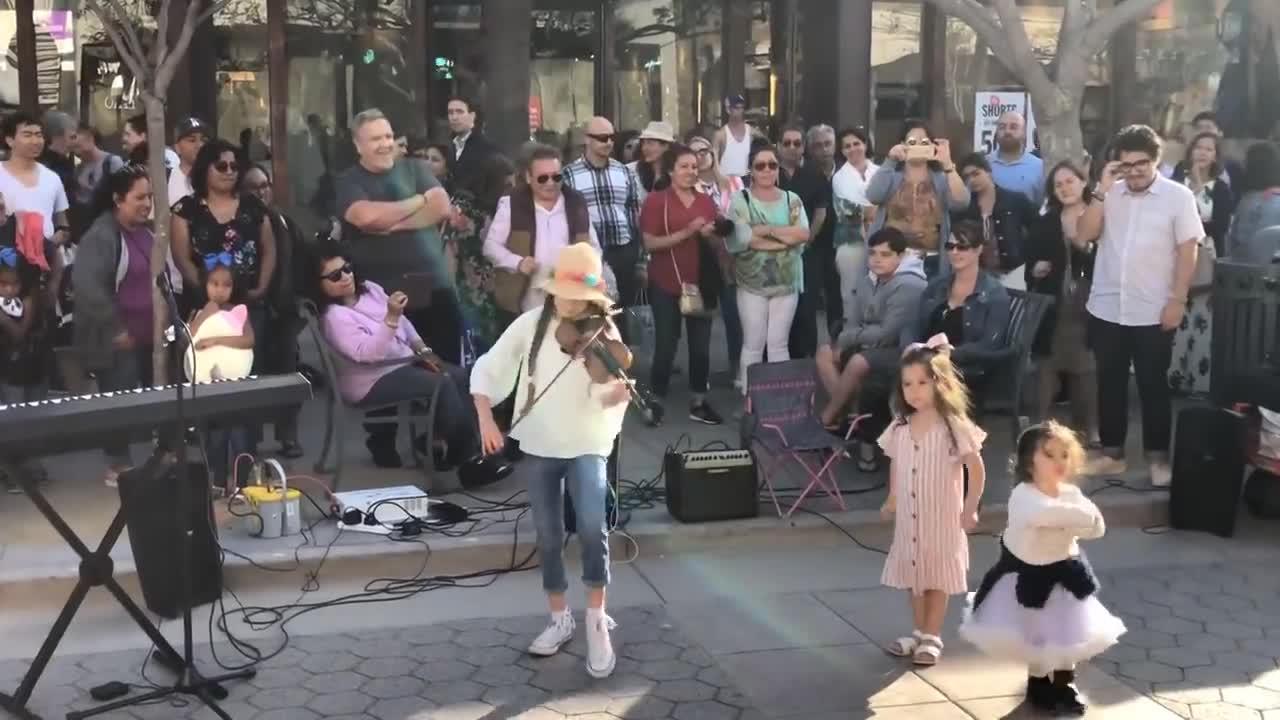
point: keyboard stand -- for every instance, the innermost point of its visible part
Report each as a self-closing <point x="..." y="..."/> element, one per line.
<point x="96" y="570"/>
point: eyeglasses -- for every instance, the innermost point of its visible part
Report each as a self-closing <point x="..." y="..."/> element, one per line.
<point x="338" y="274"/>
<point x="556" y="178"/>
<point x="603" y="137"/>
<point x="762" y="166"/>
<point x="1142" y="165"/>
<point x="258" y="187"/>
<point x="226" y="168"/>
<point x="952" y="246"/>
<point x="792" y="143"/>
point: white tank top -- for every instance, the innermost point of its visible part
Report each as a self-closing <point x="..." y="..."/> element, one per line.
<point x="736" y="153"/>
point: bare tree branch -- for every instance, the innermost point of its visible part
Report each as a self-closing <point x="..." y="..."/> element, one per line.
<point x="1099" y="31"/>
<point x="1029" y="68"/>
<point x="162" y="33"/>
<point x="112" y="26"/>
<point x="983" y="23"/>
<point x="118" y="18"/>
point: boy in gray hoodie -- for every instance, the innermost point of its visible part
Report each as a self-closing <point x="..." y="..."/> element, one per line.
<point x="885" y="300"/>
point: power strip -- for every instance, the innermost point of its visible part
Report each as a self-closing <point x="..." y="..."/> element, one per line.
<point x="390" y="506"/>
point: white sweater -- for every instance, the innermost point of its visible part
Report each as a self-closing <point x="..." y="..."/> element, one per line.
<point x="1044" y="530"/>
<point x="570" y="420"/>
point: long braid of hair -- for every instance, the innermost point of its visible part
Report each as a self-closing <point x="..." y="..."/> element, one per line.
<point x="539" y="334"/>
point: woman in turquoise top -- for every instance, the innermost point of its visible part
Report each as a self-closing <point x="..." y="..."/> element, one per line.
<point x="770" y="231"/>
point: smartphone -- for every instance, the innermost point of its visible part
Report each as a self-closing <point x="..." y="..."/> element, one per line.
<point x="920" y="152"/>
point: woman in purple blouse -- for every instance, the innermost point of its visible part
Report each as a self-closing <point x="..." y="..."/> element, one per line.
<point x="381" y="359"/>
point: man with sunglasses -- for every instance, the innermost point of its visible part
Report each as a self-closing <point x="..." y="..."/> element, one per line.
<point x="1147" y="228"/>
<point x="814" y="190"/>
<point x="530" y="227"/>
<point x="613" y="202"/>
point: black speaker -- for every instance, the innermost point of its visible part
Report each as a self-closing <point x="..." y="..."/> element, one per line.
<point x="710" y="485"/>
<point x="149" y="500"/>
<point x="1208" y="470"/>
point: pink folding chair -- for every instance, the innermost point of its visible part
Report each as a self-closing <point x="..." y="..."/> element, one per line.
<point x="781" y="423"/>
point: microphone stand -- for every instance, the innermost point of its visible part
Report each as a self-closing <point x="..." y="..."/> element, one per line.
<point x="189" y="681"/>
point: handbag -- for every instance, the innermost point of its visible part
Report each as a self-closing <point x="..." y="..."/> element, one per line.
<point x="1207" y="255"/>
<point x="691" y="302"/>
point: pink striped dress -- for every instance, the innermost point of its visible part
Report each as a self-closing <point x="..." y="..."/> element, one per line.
<point x="930" y="550"/>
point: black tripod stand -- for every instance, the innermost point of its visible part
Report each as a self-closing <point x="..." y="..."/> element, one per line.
<point x="189" y="681"/>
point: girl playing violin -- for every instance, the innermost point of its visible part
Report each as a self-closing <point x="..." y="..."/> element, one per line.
<point x="568" y="414"/>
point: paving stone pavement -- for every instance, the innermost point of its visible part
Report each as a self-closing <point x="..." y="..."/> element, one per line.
<point x="1204" y="642"/>
<point x="454" y="671"/>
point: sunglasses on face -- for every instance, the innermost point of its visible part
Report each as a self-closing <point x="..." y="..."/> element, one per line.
<point x="792" y="143"/>
<point x="953" y="246"/>
<point x="602" y="137"/>
<point x="700" y="152"/>
<point x="544" y="179"/>
<point x="338" y="274"/>
<point x="226" y="168"/>
<point x="762" y="166"/>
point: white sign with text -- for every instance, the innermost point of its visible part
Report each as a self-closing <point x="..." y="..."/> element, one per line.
<point x="988" y="106"/>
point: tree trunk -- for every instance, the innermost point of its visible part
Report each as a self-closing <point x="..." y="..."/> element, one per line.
<point x="160" y="244"/>
<point x="507" y="27"/>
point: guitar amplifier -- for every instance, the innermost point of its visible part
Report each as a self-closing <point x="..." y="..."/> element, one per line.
<point x="711" y="485"/>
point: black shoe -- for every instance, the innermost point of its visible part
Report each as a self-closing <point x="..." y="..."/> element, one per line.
<point x="705" y="414"/>
<point x="482" y="470"/>
<point x="383" y="450"/>
<point x="1066" y="695"/>
<point x="1041" y="693"/>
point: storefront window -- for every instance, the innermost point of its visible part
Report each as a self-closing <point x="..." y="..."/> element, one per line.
<point x="896" y="69"/>
<point x="1195" y="55"/>
<point x="669" y="63"/>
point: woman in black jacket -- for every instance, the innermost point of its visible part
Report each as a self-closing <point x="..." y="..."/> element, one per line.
<point x="1061" y="267"/>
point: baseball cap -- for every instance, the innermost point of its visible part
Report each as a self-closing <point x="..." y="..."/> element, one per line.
<point x="190" y="126"/>
<point x="734" y="100"/>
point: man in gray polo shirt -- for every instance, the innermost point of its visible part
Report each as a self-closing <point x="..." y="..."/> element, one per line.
<point x="1147" y="229"/>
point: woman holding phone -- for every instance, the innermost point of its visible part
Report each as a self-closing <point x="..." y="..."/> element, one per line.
<point x="916" y="190"/>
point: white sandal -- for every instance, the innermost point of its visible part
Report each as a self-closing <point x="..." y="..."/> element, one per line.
<point x="905" y="646"/>
<point x="929" y="650"/>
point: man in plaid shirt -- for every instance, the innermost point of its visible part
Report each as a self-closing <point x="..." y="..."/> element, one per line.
<point x="613" y="200"/>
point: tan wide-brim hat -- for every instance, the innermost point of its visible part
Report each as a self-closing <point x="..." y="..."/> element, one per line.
<point x="578" y="274"/>
<point x="659" y="130"/>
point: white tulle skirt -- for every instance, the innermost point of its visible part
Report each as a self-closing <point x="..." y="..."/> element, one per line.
<point x="1066" y="631"/>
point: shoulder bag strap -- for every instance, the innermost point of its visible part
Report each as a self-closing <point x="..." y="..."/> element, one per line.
<point x="666" y="223"/>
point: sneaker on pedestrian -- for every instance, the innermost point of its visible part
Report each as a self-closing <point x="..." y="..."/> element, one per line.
<point x="600" y="657"/>
<point x="705" y="414"/>
<point x="1161" y="474"/>
<point x="558" y="632"/>
<point x="1106" y="466"/>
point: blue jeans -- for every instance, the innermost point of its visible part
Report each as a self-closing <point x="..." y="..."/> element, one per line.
<point x="585" y="478"/>
<point x="732" y="324"/>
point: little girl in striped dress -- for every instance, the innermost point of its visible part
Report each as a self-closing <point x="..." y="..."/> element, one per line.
<point x="930" y="444"/>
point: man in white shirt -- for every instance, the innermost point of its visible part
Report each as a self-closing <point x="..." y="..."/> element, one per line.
<point x="733" y="141"/>
<point x="530" y="227"/>
<point x="28" y="186"/>
<point x="188" y="138"/>
<point x="1147" y="229"/>
<point x="134" y="141"/>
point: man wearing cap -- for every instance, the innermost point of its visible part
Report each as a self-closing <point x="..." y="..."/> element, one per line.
<point x="188" y="138"/>
<point x="733" y="141"/>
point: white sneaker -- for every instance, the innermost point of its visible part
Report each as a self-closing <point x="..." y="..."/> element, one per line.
<point x="1161" y="474"/>
<point x="1106" y="466"/>
<point x="600" y="657"/>
<point x="558" y="632"/>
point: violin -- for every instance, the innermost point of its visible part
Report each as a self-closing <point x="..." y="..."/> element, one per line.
<point x="593" y="338"/>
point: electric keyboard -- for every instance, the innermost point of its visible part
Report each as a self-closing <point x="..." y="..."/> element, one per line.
<point x="58" y="425"/>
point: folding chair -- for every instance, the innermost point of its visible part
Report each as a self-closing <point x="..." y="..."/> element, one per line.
<point x="408" y="412"/>
<point x="781" y="422"/>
